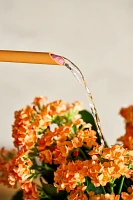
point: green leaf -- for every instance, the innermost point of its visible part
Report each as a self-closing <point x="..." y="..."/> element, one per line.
<point x="127" y="183"/>
<point x="47" y="172"/>
<point x="91" y="187"/>
<point x="74" y="129"/>
<point x="18" y="195"/>
<point x="51" y="191"/>
<point x="88" y="118"/>
<point x="99" y="190"/>
<point x="70" y="115"/>
<point x="57" y="120"/>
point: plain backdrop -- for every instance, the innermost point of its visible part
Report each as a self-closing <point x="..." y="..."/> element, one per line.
<point x="97" y="35"/>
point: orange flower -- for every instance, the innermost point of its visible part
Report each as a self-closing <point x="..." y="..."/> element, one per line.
<point x="61" y="107"/>
<point x="78" y="194"/>
<point x="30" y="191"/>
<point x="88" y="136"/>
<point x="109" y="163"/>
<point x="127" y="113"/>
<point x="5" y="164"/>
<point x="21" y="125"/>
<point x="39" y="101"/>
<point x="95" y="172"/>
<point x="127" y="139"/>
<point x="30" y="120"/>
<point x="46" y="155"/>
<point x="126" y="196"/>
<point x="64" y="140"/>
<point x="130" y="189"/>
<point x="104" y="197"/>
<point x="97" y="150"/>
<point x="22" y="166"/>
<point x="19" y="169"/>
<point x="69" y="176"/>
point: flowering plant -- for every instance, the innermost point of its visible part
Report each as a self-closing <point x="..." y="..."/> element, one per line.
<point x="59" y="155"/>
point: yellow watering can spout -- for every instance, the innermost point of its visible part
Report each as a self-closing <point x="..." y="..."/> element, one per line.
<point x="31" y="57"/>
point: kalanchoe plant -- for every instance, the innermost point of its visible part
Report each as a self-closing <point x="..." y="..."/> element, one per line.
<point x="58" y="155"/>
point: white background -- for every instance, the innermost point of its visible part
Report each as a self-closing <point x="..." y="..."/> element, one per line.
<point x="95" y="34"/>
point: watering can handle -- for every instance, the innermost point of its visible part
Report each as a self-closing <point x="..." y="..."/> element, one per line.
<point x="31" y="57"/>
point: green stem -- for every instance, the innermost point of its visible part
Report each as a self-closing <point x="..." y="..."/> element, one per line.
<point x="121" y="185"/>
<point x="112" y="189"/>
<point x="85" y="146"/>
<point x="82" y="153"/>
<point x="103" y="189"/>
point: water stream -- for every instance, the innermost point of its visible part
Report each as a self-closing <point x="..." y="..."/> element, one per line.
<point x="80" y="77"/>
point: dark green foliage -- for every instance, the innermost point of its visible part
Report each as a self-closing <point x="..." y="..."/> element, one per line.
<point x="91" y="187"/>
<point x="51" y="191"/>
<point x="18" y="195"/>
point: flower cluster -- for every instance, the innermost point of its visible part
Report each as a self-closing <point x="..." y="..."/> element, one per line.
<point x="109" y="164"/>
<point x="57" y="146"/>
<point x="127" y="139"/>
<point x="6" y="158"/>
<point x="105" y="167"/>
<point x="30" y="130"/>
<point x="59" y="155"/>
